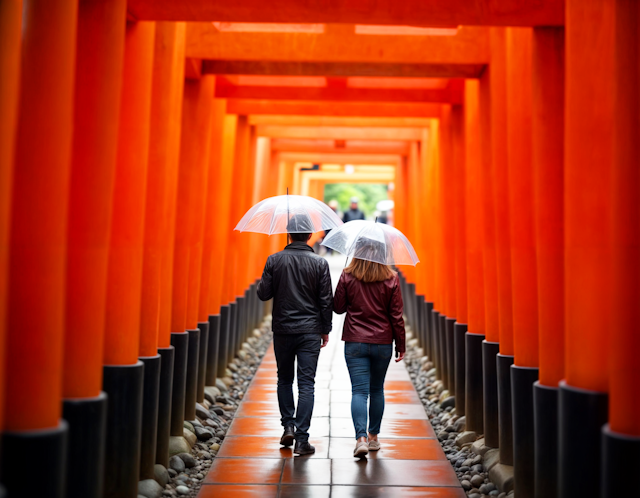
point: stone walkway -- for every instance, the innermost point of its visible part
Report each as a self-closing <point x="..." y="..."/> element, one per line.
<point x="251" y="462"/>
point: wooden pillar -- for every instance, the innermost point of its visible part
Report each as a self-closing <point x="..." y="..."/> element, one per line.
<point x="99" y="64"/>
<point x="622" y="435"/>
<point x="37" y="241"/>
<point x="459" y="211"/>
<point x="429" y="155"/>
<point x="414" y="212"/>
<point x="474" y="404"/>
<point x="10" y="36"/>
<point x="162" y="180"/>
<point x="587" y="208"/>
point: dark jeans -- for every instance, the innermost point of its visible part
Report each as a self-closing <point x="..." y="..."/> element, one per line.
<point x="367" y="364"/>
<point x="306" y="348"/>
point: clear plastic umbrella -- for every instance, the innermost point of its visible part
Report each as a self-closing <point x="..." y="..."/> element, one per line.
<point x="289" y="214"/>
<point x="376" y="242"/>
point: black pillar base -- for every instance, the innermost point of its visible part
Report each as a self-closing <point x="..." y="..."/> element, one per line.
<point x="192" y="375"/>
<point x="202" y="360"/>
<point x="123" y="385"/>
<point x="87" y="419"/>
<point x="212" y="351"/>
<point x="522" y="380"/>
<point x="459" y="345"/>
<point x="619" y="454"/>
<point x="490" y="385"/>
<point x="444" y="353"/>
<point x="180" y="341"/>
<point x="545" y="415"/>
<point x="451" y="354"/>
<point x="223" y="338"/>
<point x="47" y="479"/>
<point x="435" y="327"/>
<point x="505" y="426"/>
<point x="164" y="404"/>
<point x="150" y="399"/>
<point x="233" y="330"/>
<point x="582" y="414"/>
<point x="474" y="395"/>
<point x="420" y="321"/>
<point x="427" y="312"/>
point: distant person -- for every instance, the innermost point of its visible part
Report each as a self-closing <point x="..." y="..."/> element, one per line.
<point x="369" y="293"/>
<point x="333" y="204"/>
<point x="299" y="282"/>
<point x="382" y="217"/>
<point x="353" y="213"/>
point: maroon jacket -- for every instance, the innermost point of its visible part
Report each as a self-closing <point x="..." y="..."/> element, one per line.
<point x="374" y="311"/>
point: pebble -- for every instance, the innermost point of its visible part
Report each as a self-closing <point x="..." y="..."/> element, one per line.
<point x="477" y="481"/>
<point x="188" y="460"/>
<point x="449" y="402"/>
<point x="183" y="490"/>
<point x="149" y="488"/>
<point x="203" y="434"/>
<point x="161" y="474"/>
<point x="177" y="464"/>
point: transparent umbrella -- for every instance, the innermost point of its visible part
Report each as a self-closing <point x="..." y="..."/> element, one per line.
<point x="372" y="241"/>
<point x="289" y="213"/>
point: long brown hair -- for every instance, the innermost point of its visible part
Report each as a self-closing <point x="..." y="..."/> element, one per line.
<point x="369" y="271"/>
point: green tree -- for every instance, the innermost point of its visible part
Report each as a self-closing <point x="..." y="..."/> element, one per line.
<point x="368" y="194"/>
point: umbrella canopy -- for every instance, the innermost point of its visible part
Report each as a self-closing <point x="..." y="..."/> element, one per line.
<point x="376" y="242"/>
<point x="289" y="214"/>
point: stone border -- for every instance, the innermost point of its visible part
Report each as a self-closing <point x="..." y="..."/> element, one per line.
<point x="192" y="454"/>
<point x="473" y="462"/>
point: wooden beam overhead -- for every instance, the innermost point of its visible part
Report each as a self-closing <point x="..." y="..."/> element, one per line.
<point x="428" y="13"/>
<point x="339" y="121"/>
<point x="339" y="133"/>
<point x="337" y="158"/>
<point x="340" y="146"/>
<point x="333" y="108"/>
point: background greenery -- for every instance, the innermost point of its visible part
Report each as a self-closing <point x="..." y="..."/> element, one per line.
<point x="368" y="195"/>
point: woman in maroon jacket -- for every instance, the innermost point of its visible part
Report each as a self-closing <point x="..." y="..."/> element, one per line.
<point x="370" y="295"/>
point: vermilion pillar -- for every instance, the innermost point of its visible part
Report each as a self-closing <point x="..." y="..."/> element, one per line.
<point x="460" y="243"/>
<point x="500" y="172"/>
<point x="37" y="243"/>
<point x="474" y="405"/>
<point x="490" y="84"/>
<point x="587" y="203"/>
<point x="194" y="161"/>
<point x="99" y="63"/>
<point x="10" y="34"/>
<point x="223" y="256"/>
<point x="123" y="373"/>
<point x="621" y="437"/>
<point x="523" y="254"/>
<point x="162" y="179"/>
<point x="548" y="166"/>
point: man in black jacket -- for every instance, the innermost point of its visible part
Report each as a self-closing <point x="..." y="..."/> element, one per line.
<point x="299" y="282"/>
<point x="353" y="213"/>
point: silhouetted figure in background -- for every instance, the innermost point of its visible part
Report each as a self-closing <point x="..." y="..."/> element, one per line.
<point x="353" y="213"/>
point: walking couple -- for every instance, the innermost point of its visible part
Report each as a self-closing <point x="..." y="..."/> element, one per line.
<point x="300" y="284"/>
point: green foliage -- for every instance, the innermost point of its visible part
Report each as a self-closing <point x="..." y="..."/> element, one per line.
<point x="368" y="194"/>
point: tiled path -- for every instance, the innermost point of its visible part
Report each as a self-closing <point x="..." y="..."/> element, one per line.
<point x="251" y="462"/>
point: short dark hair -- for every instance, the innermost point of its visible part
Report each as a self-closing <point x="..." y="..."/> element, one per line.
<point x="299" y="236"/>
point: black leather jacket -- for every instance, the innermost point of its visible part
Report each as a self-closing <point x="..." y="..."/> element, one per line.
<point x="299" y="282"/>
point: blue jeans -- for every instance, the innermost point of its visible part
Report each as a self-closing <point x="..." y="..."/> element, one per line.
<point x="367" y="364"/>
<point x="306" y="348"/>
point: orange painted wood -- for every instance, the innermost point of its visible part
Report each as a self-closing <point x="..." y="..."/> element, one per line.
<point x="201" y="140"/>
<point x="624" y="380"/>
<point x="490" y="269"/>
<point x="413" y="13"/>
<point x="299" y="108"/>
<point x="459" y="203"/>
<point x="524" y="277"/>
<point x="164" y="154"/>
<point x="338" y="121"/>
<point x="10" y="36"/>
<point x="99" y="66"/>
<point x="587" y="189"/>
<point x="447" y="214"/>
<point x="221" y="258"/>
<point x="474" y="209"/>
<point x="548" y="164"/>
<point x="339" y="51"/>
<point x="339" y="133"/>
<point x="194" y="139"/>
<point x="429" y="150"/>
<point x="499" y="171"/>
<point x="415" y="213"/>
<point x="124" y="283"/>
<point x="215" y="196"/>
<point x="39" y="211"/>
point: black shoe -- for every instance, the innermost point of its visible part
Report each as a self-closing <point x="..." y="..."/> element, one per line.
<point x="287" y="436"/>
<point x="304" y="448"/>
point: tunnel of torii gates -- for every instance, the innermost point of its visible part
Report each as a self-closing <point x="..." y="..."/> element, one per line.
<point x="135" y="134"/>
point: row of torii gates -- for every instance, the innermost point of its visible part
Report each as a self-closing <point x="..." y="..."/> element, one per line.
<point x="134" y="135"/>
